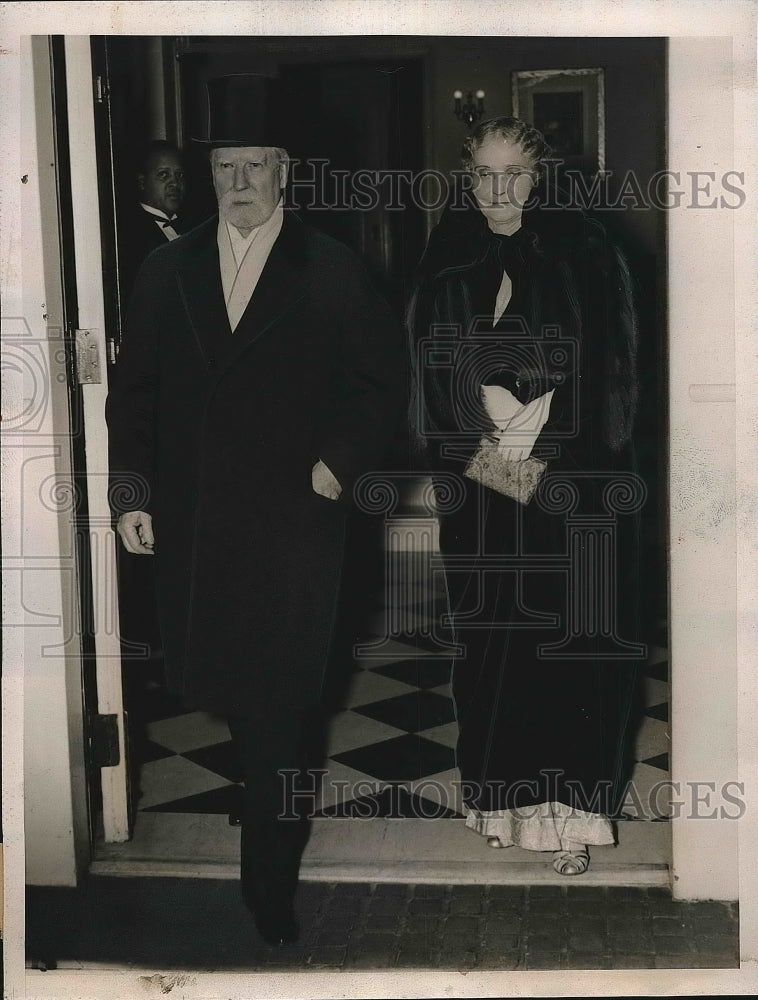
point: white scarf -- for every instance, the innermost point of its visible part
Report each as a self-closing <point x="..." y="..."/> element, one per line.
<point x="239" y="281"/>
<point x="518" y="426"/>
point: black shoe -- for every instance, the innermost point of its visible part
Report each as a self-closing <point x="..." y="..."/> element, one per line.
<point x="237" y="806"/>
<point x="277" y="927"/>
<point x="272" y="910"/>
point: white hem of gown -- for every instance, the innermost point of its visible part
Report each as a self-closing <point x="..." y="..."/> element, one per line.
<point x="548" y="826"/>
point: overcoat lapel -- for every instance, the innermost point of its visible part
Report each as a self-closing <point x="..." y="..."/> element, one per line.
<point x="278" y="290"/>
<point x="199" y="278"/>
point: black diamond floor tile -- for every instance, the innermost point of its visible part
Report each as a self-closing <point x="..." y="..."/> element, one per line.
<point x="420" y="673"/>
<point x="219" y="758"/>
<point x="661" y="761"/>
<point x="217" y="801"/>
<point x="403" y="758"/>
<point x="660" y="712"/>
<point x="411" y="712"/>
<point x="392" y="802"/>
<point x="658" y="671"/>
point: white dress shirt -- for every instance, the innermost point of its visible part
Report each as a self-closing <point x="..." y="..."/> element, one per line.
<point x="160" y="217"/>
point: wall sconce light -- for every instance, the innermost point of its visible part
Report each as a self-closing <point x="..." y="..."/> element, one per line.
<point x="468" y="112"/>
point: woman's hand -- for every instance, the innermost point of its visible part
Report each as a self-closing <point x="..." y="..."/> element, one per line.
<point x="501" y="405"/>
<point x="517" y="438"/>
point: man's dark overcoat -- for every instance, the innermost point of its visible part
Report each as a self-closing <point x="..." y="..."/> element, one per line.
<point x="215" y="434"/>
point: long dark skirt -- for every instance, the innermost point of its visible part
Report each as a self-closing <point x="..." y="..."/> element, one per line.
<point x="543" y="715"/>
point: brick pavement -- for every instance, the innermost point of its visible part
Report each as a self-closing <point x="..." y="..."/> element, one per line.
<point x="361" y="926"/>
<point x="178" y="923"/>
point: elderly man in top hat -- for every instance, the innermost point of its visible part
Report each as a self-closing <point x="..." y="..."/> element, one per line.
<point x="259" y="378"/>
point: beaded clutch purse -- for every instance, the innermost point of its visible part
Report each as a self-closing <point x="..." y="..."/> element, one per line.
<point x="517" y="480"/>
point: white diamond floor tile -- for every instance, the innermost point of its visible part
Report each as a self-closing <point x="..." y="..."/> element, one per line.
<point x="188" y="732"/>
<point x="443" y="689"/>
<point x="367" y="687"/>
<point x="446" y="734"/>
<point x="651" y="739"/>
<point x="648" y="794"/>
<point x="349" y="730"/>
<point x="175" y="778"/>
<point x="657" y="654"/>
<point x="443" y="789"/>
<point x="342" y="784"/>
<point x="656" y="692"/>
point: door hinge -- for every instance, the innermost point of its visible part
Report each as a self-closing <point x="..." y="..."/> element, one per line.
<point x="103" y="737"/>
<point x="87" y="358"/>
<point x="101" y="90"/>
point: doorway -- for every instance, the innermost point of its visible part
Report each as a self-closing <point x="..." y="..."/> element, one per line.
<point x="392" y="737"/>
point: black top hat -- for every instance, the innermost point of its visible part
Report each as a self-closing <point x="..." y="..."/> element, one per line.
<point x="238" y="111"/>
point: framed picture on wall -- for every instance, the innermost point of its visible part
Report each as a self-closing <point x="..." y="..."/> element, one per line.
<point x="568" y="107"/>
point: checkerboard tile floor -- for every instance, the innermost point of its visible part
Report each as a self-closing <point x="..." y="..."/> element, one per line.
<point x="390" y="748"/>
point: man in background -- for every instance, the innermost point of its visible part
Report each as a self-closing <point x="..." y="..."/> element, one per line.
<point x="155" y="218"/>
<point x="151" y="220"/>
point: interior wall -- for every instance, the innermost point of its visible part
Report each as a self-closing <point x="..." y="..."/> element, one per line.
<point x="634" y="128"/>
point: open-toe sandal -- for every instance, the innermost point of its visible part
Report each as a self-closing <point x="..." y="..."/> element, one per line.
<point x="574" y="862"/>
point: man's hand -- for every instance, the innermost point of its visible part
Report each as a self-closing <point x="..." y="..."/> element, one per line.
<point x="324" y="483"/>
<point x="136" y="530"/>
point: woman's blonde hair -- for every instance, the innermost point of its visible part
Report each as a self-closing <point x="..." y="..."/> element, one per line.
<point x="530" y="139"/>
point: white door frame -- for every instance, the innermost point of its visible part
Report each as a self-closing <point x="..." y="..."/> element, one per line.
<point x="89" y="282"/>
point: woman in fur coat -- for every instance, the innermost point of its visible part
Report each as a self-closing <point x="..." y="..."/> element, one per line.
<point x="523" y="340"/>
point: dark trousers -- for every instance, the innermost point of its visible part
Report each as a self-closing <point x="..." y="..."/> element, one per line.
<point x="277" y="802"/>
